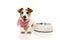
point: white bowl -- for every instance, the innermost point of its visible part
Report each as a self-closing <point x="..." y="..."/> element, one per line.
<point x="43" y="27"/>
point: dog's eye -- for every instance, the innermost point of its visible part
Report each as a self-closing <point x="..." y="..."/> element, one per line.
<point x="27" y="12"/>
<point x="21" y="12"/>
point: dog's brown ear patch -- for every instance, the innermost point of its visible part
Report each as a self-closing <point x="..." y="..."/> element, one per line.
<point x="29" y="10"/>
<point x="20" y="10"/>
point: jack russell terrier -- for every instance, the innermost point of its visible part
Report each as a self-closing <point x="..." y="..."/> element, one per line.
<point x="24" y="21"/>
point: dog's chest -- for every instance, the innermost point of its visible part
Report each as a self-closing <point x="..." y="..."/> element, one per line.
<point x="23" y="24"/>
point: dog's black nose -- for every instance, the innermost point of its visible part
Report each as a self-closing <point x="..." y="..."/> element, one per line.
<point x="24" y="16"/>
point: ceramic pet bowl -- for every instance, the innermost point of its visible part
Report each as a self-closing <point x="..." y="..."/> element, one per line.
<point x="43" y="27"/>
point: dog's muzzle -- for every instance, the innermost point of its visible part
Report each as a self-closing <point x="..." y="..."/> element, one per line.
<point x="24" y="18"/>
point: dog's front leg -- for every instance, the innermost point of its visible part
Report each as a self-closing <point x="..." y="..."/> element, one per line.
<point x="29" y="29"/>
<point x="22" y="30"/>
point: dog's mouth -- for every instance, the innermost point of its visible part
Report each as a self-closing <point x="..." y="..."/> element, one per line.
<point x="24" y="19"/>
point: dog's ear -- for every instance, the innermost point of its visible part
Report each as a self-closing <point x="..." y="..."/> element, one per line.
<point x="20" y="10"/>
<point x="29" y="10"/>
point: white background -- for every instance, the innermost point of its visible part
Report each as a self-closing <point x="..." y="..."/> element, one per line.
<point x="43" y="11"/>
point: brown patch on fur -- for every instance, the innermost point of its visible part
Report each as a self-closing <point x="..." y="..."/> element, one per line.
<point x="32" y="25"/>
<point x="29" y="14"/>
<point x="20" y="10"/>
<point x="29" y="11"/>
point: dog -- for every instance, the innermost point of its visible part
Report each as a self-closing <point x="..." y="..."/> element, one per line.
<point x="24" y="21"/>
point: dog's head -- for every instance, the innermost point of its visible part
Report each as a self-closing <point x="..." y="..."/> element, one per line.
<point x="25" y="13"/>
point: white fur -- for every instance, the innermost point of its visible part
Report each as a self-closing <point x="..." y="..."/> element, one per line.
<point x="24" y="14"/>
<point x="30" y="22"/>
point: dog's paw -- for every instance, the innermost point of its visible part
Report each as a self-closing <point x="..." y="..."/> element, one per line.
<point x="29" y="32"/>
<point x="22" y="32"/>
